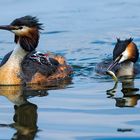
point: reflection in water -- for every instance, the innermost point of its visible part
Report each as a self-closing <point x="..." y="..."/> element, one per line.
<point x="25" y="116"/>
<point x="25" y="119"/>
<point x="130" y="96"/>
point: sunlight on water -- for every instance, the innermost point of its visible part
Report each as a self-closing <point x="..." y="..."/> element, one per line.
<point x="89" y="106"/>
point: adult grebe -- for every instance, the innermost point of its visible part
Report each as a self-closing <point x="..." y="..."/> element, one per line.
<point x="125" y="55"/>
<point x="24" y="65"/>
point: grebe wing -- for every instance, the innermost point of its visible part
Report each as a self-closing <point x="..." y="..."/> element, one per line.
<point x="5" y="58"/>
<point x="101" y="68"/>
<point x="36" y="62"/>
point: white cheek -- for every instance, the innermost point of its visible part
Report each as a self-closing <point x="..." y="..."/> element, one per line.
<point x="17" y="32"/>
<point x="21" y="31"/>
<point x="124" y="56"/>
<point x="24" y="29"/>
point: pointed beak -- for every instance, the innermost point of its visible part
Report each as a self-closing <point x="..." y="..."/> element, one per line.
<point x="8" y="27"/>
<point x="114" y="63"/>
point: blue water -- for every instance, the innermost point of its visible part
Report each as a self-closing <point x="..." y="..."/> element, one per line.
<point x="84" y="31"/>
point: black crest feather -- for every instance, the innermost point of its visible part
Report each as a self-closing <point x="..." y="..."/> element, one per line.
<point x="28" y="21"/>
<point x="120" y="47"/>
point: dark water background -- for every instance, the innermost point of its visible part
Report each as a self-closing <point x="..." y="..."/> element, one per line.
<point x="84" y="31"/>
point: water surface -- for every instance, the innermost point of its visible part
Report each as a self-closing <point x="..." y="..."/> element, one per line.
<point x="84" y="108"/>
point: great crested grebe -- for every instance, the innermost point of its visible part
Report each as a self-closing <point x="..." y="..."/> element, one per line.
<point x="24" y="65"/>
<point x="125" y="55"/>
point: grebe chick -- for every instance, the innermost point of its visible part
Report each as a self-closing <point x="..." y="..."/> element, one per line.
<point x="24" y="65"/>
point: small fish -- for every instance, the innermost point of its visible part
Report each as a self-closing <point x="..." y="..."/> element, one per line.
<point x="112" y="74"/>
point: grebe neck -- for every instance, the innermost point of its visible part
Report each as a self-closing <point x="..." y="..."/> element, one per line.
<point x="126" y="69"/>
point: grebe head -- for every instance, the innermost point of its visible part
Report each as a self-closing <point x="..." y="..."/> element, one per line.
<point x="26" y="30"/>
<point x="124" y="51"/>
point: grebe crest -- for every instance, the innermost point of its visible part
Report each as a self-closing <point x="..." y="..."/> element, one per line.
<point x="26" y="31"/>
<point x="125" y="50"/>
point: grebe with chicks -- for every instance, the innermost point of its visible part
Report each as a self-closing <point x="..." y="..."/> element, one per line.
<point x="24" y="65"/>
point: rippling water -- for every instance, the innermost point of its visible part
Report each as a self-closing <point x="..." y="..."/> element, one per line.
<point x="86" y="107"/>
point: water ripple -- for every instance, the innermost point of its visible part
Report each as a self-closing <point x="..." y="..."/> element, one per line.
<point x="101" y="42"/>
<point x="54" y="32"/>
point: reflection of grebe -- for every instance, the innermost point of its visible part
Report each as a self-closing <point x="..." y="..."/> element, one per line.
<point x="130" y="96"/>
<point x="25" y="117"/>
<point x="25" y="122"/>
<point x="125" y="55"/>
<point x="26" y="66"/>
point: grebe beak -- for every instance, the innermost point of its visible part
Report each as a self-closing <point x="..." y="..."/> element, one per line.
<point x="8" y="27"/>
<point x="114" y="63"/>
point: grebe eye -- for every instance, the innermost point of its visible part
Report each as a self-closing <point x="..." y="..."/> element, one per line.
<point x="20" y="27"/>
